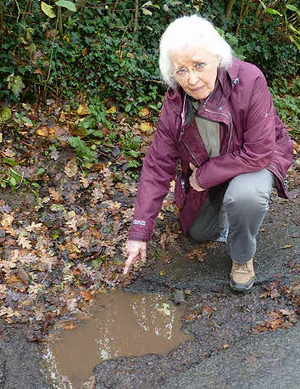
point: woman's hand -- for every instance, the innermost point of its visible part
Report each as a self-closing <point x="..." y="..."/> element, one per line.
<point x="193" y="179"/>
<point x="136" y="251"/>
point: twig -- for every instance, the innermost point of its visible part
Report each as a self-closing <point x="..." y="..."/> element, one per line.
<point x="116" y="4"/>
<point x="19" y="11"/>
<point x="136" y="14"/>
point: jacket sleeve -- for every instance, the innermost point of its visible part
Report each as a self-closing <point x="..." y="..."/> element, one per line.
<point x="258" y="141"/>
<point x="159" y="168"/>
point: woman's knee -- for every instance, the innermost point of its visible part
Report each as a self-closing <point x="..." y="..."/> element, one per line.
<point x="246" y="200"/>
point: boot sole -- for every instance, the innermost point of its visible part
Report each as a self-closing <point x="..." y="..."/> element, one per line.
<point x="242" y="287"/>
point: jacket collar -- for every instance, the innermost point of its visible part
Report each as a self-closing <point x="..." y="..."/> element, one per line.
<point x="229" y="78"/>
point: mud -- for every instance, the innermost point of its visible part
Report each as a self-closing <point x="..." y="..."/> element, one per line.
<point x="19" y="360"/>
<point x="119" y="324"/>
<point x="217" y="318"/>
<point x="221" y="322"/>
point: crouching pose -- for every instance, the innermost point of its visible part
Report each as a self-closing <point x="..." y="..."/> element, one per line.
<point x="219" y="121"/>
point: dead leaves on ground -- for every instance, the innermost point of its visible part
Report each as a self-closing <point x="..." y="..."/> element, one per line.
<point x="60" y="249"/>
<point x="286" y="316"/>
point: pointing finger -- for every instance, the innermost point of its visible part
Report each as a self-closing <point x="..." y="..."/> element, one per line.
<point x="128" y="263"/>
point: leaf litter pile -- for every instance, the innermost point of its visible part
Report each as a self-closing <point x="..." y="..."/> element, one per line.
<point x="68" y="181"/>
<point x="65" y="211"/>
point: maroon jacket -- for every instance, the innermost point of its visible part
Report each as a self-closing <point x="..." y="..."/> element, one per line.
<point x="252" y="137"/>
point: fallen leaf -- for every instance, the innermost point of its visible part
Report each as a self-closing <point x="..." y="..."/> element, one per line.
<point x="13" y="279"/>
<point x="86" y="295"/>
<point x="70" y="246"/>
<point x="34" y="227"/>
<point x="55" y="195"/>
<point x="23" y="275"/>
<point x="7" y="220"/>
<point x="146" y="127"/>
<point x="251" y="358"/>
<point x="70" y="327"/>
<point x="24" y="242"/>
<point x="71" y="168"/>
<point x="111" y="110"/>
<point x="144" y="112"/>
<point x="42" y="131"/>
<point x="82" y="110"/>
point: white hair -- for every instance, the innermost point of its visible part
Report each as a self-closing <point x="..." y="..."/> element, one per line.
<point x="191" y="31"/>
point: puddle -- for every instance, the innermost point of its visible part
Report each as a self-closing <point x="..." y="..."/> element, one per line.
<point x="120" y="324"/>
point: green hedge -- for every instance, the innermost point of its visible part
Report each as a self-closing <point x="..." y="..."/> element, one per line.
<point x="106" y="52"/>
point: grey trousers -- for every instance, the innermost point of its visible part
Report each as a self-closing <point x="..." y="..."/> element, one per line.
<point x="239" y="206"/>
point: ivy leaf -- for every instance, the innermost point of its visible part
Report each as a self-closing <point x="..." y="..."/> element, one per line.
<point x="66" y="4"/>
<point x="146" y="11"/>
<point x="5" y="115"/>
<point x="48" y="10"/>
<point x="15" y="84"/>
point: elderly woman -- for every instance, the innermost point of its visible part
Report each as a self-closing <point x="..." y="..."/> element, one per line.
<point x="219" y="121"/>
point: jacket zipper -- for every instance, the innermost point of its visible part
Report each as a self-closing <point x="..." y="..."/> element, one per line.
<point x="229" y="117"/>
<point x="192" y="155"/>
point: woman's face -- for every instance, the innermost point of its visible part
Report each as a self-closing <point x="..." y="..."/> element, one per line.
<point x="195" y="69"/>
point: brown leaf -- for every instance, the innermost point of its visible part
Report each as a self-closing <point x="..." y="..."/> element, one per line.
<point x="71" y="168"/>
<point x="251" y="358"/>
<point x="207" y="311"/>
<point x="42" y="131"/>
<point x="24" y="242"/>
<point x="144" y="112"/>
<point x="7" y="220"/>
<point x="13" y="279"/>
<point x="23" y="275"/>
<point x="55" y="195"/>
<point x="72" y="248"/>
<point x="70" y="327"/>
<point x="86" y="295"/>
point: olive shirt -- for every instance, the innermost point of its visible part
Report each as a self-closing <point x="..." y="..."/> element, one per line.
<point x="209" y="132"/>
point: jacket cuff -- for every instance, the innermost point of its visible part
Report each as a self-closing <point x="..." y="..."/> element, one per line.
<point x="199" y="181"/>
<point x="138" y="238"/>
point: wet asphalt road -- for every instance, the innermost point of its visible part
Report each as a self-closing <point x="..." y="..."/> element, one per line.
<point x="267" y="360"/>
<point x="226" y="352"/>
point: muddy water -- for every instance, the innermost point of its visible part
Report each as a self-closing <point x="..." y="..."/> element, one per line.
<point x="120" y="324"/>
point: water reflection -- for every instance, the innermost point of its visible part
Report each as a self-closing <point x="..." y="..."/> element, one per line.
<point x="121" y="324"/>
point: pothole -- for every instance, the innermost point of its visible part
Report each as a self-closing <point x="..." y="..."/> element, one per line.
<point x="119" y="324"/>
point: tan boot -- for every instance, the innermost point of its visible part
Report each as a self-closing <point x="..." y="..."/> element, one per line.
<point x="242" y="276"/>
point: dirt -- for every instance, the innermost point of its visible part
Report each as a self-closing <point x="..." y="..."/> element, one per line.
<point x="218" y="319"/>
<point x="19" y="359"/>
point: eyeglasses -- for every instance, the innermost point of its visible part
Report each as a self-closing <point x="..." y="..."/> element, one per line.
<point x="184" y="73"/>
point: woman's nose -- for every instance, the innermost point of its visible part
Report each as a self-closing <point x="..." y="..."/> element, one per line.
<point x="193" y="78"/>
